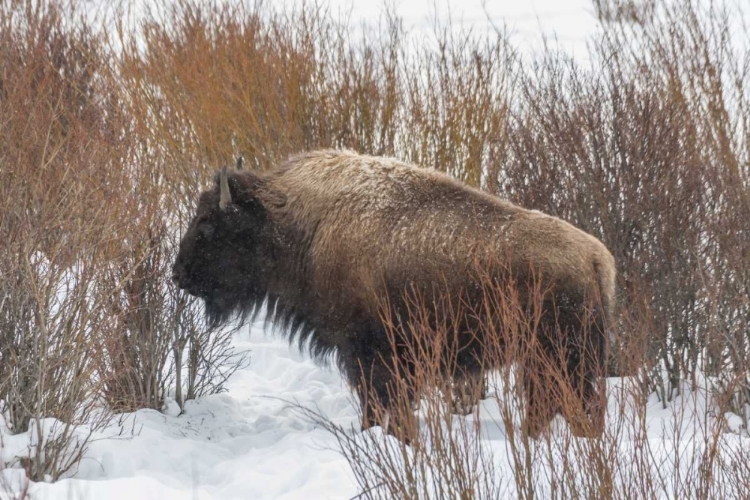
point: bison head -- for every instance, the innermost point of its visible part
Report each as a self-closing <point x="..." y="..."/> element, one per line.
<point x="224" y="253"/>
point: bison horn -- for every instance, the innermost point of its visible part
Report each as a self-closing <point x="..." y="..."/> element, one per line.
<point x="226" y="197"/>
<point x="240" y="161"/>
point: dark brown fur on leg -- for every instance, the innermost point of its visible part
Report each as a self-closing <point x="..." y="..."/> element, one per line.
<point x="541" y="398"/>
<point x="384" y="403"/>
<point x="572" y="354"/>
<point x="586" y="414"/>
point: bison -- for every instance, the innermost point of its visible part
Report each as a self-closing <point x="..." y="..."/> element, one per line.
<point x="327" y="234"/>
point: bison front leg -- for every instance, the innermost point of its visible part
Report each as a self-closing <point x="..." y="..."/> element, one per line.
<point x="386" y="400"/>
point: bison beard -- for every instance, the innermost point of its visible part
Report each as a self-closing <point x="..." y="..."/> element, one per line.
<point x="329" y="237"/>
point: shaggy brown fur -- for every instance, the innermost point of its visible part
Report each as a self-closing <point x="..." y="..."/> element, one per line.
<point x="328" y="232"/>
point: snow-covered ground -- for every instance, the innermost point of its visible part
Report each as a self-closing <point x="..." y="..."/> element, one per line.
<point x="246" y="443"/>
<point x="249" y="443"/>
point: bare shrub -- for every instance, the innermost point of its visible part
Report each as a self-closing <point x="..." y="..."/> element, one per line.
<point x="285" y="81"/>
<point x="640" y="150"/>
<point x="203" y="351"/>
<point x="137" y="339"/>
<point x="11" y="489"/>
<point x="155" y="331"/>
<point x="624" y="11"/>
<point x="84" y="265"/>
<point x="56" y="223"/>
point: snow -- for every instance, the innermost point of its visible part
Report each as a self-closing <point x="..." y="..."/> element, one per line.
<point x="250" y="442"/>
<point x="246" y="443"/>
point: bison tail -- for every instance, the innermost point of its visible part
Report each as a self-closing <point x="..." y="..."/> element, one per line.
<point x="604" y="322"/>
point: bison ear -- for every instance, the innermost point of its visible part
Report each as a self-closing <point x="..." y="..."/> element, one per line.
<point x="225" y="194"/>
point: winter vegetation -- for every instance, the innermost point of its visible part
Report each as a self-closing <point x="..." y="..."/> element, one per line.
<point x="113" y="385"/>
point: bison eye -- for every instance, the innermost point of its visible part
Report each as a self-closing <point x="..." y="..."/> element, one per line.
<point x="206" y="229"/>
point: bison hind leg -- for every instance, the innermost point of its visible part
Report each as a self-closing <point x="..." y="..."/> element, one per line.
<point x="585" y="369"/>
<point x="542" y="402"/>
<point x="587" y="419"/>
